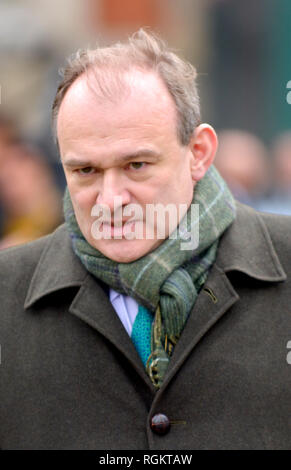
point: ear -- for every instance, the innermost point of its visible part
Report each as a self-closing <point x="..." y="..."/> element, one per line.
<point x="203" y="146"/>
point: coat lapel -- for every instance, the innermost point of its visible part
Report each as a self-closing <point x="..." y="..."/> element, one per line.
<point x="92" y="305"/>
<point x="214" y="300"/>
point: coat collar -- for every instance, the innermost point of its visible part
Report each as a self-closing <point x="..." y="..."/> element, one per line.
<point x="58" y="268"/>
<point x="246" y="247"/>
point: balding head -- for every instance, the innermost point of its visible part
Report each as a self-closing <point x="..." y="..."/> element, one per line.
<point x="106" y="67"/>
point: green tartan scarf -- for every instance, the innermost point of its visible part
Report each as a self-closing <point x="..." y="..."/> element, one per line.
<point x="167" y="280"/>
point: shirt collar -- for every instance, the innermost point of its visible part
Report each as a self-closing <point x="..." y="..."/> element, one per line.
<point x="113" y="295"/>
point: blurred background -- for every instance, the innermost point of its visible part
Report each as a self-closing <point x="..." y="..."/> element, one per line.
<point x="240" y="48"/>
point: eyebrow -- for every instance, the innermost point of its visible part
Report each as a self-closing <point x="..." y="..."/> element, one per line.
<point x="152" y="154"/>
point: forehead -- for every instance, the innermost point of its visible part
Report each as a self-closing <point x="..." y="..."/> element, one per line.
<point x="144" y="103"/>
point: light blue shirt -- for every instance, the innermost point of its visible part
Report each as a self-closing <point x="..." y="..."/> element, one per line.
<point x="126" y="308"/>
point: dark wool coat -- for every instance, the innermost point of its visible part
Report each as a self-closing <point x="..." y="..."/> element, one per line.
<point x="72" y="379"/>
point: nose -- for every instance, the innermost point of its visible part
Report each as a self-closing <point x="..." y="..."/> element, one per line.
<point x="113" y="192"/>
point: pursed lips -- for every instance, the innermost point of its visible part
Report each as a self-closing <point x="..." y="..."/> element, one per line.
<point x="119" y="229"/>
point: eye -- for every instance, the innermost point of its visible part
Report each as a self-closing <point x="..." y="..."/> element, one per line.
<point x="88" y="170"/>
<point x="136" y="165"/>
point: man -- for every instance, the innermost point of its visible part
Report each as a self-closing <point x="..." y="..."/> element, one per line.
<point x="112" y="339"/>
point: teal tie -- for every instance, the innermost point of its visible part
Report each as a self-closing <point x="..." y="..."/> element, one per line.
<point x="141" y="333"/>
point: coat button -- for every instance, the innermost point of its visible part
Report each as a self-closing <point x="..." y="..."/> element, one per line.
<point x="160" y="424"/>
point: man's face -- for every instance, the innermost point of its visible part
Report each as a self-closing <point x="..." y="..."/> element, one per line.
<point x="127" y="149"/>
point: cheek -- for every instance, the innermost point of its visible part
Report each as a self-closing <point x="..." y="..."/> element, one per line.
<point x="180" y="188"/>
<point x="83" y="200"/>
<point x="82" y="208"/>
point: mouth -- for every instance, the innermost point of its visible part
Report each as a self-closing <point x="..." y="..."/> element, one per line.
<point x="119" y="230"/>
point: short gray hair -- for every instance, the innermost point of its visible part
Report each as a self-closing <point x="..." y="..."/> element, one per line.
<point x="146" y="51"/>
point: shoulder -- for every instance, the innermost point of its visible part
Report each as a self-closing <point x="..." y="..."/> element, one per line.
<point x="279" y="229"/>
<point x="19" y="262"/>
<point x="276" y="229"/>
<point x="279" y="226"/>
